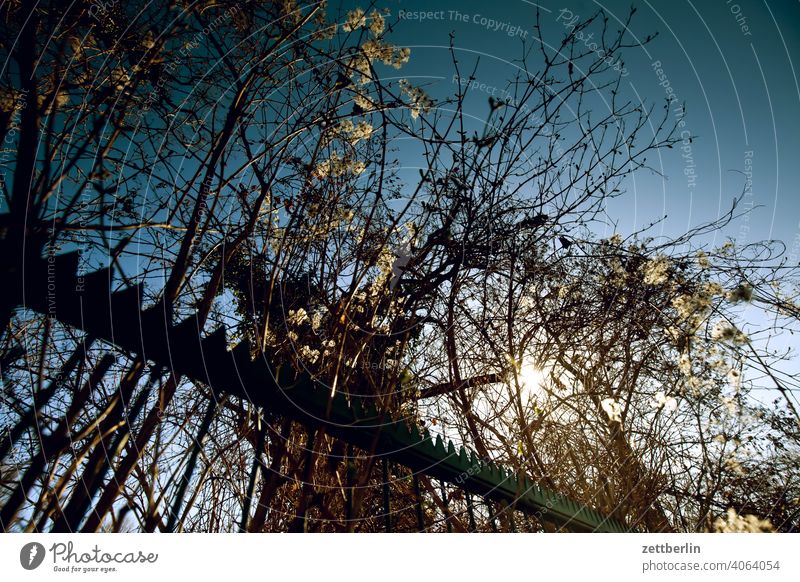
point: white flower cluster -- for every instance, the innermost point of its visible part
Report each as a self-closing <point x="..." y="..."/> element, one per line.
<point x="377" y="24"/>
<point x="693" y="308"/>
<point x="656" y="270"/>
<point x="364" y="102"/>
<point x="702" y="260"/>
<point x="732" y="464"/>
<point x="358" y="19"/>
<point x="732" y="522"/>
<point x="297" y="317"/>
<point x="735" y="377"/>
<point x="338" y="165"/>
<point x="353" y="132"/>
<point x="290" y="10"/>
<point x="724" y="331"/>
<point x="695" y="386"/>
<point x="376" y="50"/>
<point x="362" y="130"/>
<point x="324" y="30"/>
<point x="328" y="345"/>
<point x="743" y="292"/>
<point x="420" y="101"/>
<point x="309" y="354"/>
<point x="618" y="275"/>
<point x="361" y="65"/>
<point x="727" y="249"/>
<point x="119" y="77"/>
<point x="385" y="261"/>
<point x="613" y="409"/>
<point x="685" y="364"/>
<point x="729" y="402"/>
<point x="668" y="403"/>
<point x="355" y="19"/>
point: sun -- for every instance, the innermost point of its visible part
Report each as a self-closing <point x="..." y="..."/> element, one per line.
<point x="531" y="379"/>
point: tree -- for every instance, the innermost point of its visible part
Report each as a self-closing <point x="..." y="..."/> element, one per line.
<point x="242" y="161"/>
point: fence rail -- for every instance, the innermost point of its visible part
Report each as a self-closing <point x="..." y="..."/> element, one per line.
<point x="51" y="286"/>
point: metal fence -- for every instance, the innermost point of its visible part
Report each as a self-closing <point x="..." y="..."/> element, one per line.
<point x="87" y="303"/>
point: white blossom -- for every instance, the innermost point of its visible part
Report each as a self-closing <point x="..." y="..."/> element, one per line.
<point x="656" y="270"/>
<point x="309" y="354"/>
<point x="119" y="77"/>
<point x="297" y="317"/>
<point x="732" y="522"/>
<point x="693" y="308"/>
<point x="355" y="19"/>
<point x="353" y="133"/>
<point x="702" y="260"/>
<point x="668" y="403"/>
<point x="733" y="465"/>
<point x="362" y="130"/>
<point x="617" y="276"/>
<point x="724" y="331"/>
<point x="364" y="102"/>
<point x="338" y="165"/>
<point x="685" y="364"/>
<point x="420" y="101"/>
<point x="727" y="248"/>
<point x="377" y="23"/>
<point x="613" y="409"/>
<point x="729" y="402"/>
<point x="743" y="292"/>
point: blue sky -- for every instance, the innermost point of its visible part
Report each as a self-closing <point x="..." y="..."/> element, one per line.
<point x="732" y="63"/>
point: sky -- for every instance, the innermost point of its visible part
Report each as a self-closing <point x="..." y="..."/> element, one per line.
<point x="731" y="63"/>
